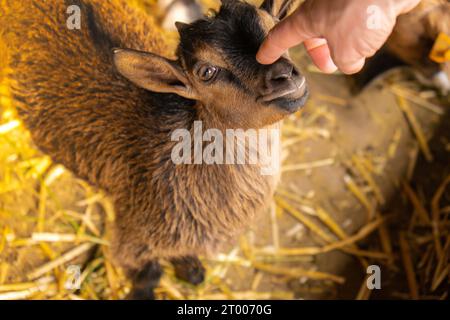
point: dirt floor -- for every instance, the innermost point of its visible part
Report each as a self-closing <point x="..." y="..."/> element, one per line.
<point x="364" y="183"/>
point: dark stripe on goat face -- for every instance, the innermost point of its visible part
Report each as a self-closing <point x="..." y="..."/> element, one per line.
<point x="228" y="77"/>
<point x="240" y="44"/>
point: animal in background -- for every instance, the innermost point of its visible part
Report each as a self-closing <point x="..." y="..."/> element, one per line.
<point x="413" y="38"/>
<point x="179" y="11"/>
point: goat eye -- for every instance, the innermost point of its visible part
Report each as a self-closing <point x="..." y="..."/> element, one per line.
<point x="207" y="72"/>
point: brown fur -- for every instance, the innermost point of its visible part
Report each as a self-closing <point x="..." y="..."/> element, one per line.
<point x="116" y="135"/>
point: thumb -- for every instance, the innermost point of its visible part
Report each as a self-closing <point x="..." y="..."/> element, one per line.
<point x="351" y="67"/>
<point x="288" y="33"/>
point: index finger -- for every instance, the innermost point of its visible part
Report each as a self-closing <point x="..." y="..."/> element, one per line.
<point x="288" y="33"/>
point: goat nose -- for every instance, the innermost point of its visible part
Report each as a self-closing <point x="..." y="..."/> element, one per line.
<point x="279" y="71"/>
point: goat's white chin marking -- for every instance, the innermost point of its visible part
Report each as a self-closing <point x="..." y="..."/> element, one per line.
<point x="277" y="95"/>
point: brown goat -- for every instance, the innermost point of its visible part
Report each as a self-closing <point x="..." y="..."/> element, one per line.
<point x="107" y="115"/>
<point x="414" y="36"/>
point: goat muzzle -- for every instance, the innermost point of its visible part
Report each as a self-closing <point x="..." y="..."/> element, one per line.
<point x="287" y="90"/>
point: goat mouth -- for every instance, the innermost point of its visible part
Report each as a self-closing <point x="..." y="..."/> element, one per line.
<point x="290" y="98"/>
<point x="291" y="105"/>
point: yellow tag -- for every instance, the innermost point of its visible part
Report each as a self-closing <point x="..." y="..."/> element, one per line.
<point x="441" y="49"/>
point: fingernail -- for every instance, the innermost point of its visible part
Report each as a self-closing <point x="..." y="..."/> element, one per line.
<point x="330" y="67"/>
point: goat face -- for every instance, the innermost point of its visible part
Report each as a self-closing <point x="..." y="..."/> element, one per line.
<point x="217" y="67"/>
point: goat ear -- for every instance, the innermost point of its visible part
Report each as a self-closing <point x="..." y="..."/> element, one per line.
<point x="277" y="8"/>
<point x="152" y="72"/>
<point x="181" y="26"/>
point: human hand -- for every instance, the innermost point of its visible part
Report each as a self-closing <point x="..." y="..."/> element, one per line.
<point x="338" y="34"/>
